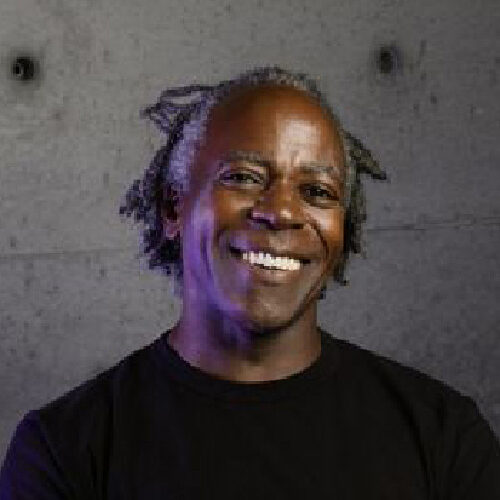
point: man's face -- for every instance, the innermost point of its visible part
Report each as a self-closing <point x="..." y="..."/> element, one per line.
<point x="244" y="204"/>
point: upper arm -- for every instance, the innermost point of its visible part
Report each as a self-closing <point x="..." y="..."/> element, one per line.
<point x="470" y="456"/>
<point x="30" y="469"/>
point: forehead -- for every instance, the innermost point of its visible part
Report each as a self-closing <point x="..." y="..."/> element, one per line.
<point x="264" y="115"/>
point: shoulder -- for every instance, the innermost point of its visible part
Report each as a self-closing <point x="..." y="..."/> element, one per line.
<point x="85" y="413"/>
<point x="458" y="443"/>
<point x="384" y="381"/>
<point x="61" y="443"/>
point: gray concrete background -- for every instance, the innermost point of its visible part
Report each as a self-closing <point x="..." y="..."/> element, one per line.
<point x="74" y="299"/>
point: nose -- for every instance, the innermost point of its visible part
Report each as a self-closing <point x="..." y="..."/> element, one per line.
<point x="277" y="207"/>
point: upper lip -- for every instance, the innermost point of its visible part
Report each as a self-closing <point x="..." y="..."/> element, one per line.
<point x="275" y="251"/>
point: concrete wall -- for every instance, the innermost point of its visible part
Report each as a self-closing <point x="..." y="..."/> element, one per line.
<point x="73" y="298"/>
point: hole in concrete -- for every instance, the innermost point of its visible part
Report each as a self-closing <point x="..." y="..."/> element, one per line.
<point x="388" y="59"/>
<point x="23" y="68"/>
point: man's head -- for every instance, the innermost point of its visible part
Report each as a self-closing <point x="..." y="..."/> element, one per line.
<point x="255" y="111"/>
<point x="269" y="175"/>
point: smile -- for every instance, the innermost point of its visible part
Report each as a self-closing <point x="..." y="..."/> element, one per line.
<point x="266" y="267"/>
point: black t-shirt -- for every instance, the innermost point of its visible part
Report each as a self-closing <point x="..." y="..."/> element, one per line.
<point x="353" y="425"/>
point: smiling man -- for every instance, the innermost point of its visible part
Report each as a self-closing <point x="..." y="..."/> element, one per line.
<point x="262" y="228"/>
<point x="254" y="203"/>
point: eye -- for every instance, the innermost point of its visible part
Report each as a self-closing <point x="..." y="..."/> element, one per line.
<point x="239" y="175"/>
<point x="324" y="192"/>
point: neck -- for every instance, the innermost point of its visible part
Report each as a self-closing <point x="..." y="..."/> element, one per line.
<point x="228" y="350"/>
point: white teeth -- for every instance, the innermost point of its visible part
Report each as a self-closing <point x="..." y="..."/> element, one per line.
<point x="267" y="260"/>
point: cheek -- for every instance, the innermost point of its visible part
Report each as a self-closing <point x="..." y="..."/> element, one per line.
<point x="222" y="210"/>
<point x="333" y="224"/>
<point x="199" y="224"/>
<point x="227" y="204"/>
<point x="333" y="231"/>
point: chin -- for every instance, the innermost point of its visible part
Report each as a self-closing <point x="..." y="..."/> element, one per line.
<point x="262" y="319"/>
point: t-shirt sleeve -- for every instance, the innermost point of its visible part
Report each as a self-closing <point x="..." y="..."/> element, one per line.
<point x="30" y="469"/>
<point x="470" y="456"/>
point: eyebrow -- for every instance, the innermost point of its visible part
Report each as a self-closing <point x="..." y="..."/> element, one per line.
<point x="308" y="167"/>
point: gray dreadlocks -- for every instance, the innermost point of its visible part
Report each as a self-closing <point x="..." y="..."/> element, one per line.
<point x="185" y="125"/>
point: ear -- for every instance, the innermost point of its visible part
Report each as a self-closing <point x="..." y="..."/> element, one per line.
<point x="171" y="209"/>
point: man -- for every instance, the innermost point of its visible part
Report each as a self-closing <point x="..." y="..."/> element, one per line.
<point x="246" y="397"/>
